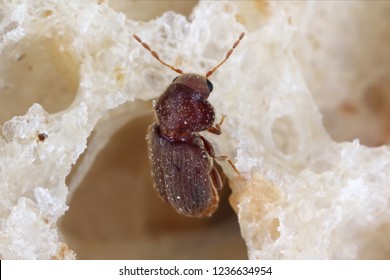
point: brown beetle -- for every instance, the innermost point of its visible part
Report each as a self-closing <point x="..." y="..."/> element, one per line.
<point x="184" y="171"/>
<point x="41" y="137"/>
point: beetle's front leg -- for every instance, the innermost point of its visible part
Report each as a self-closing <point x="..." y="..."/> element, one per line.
<point x="216" y="129"/>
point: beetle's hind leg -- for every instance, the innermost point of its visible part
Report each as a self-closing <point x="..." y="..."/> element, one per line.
<point x="225" y="158"/>
<point x="216" y="178"/>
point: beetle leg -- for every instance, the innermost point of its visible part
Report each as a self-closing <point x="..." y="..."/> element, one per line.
<point x="210" y="150"/>
<point x="225" y="158"/>
<point x="216" y="178"/>
<point x="216" y="129"/>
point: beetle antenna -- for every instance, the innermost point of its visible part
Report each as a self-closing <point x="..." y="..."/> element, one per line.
<point x="227" y="55"/>
<point x="146" y="46"/>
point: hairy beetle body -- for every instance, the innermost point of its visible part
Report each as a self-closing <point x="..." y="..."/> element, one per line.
<point x="183" y="162"/>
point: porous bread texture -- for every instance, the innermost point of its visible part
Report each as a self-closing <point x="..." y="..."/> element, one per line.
<point x="302" y="195"/>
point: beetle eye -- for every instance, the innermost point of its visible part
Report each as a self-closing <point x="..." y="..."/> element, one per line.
<point x="174" y="79"/>
<point x="210" y="85"/>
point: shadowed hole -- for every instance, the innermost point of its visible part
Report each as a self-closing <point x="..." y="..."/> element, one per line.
<point x="366" y="118"/>
<point x="36" y="71"/>
<point x="377" y="100"/>
<point x="115" y="212"/>
<point x="148" y="10"/>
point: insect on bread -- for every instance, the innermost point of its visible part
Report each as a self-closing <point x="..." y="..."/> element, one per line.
<point x="183" y="162"/>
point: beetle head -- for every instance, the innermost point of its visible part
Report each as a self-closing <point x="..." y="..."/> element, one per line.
<point x="197" y="82"/>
